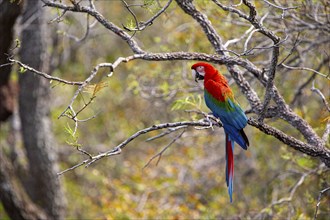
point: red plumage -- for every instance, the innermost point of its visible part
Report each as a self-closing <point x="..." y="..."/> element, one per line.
<point x="220" y="99"/>
<point x="214" y="82"/>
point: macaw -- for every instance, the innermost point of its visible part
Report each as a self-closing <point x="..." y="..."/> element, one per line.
<point x="220" y="100"/>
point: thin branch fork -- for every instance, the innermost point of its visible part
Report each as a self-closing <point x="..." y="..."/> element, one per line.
<point x="159" y="155"/>
<point x="144" y="56"/>
<point x="117" y="150"/>
<point x="319" y="201"/>
<point x="293" y="191"/>
<point x="84" y="84"/>
<point x="99" y="17"/>
<point x="140" y="26"/>
<point x="323" y="154"/>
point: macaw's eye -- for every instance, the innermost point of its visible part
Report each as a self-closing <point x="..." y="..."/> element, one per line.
<point x="200" y="69"/>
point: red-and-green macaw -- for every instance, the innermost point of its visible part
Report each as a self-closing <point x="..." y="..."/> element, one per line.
<point x="220" y="99"/>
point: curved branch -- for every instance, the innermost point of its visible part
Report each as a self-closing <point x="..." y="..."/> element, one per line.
<point x="99" y="17"/>
<point x="322" y="153"/>
<point x="117" y="150"/>
<point x="44" y="75"/>
<point x="140" y="26"/>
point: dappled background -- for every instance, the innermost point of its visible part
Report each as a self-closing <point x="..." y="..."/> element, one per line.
<point x="188" y="179"/>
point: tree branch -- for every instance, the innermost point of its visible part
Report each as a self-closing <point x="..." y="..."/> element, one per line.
<point x="322" y="153"/>
<point x="44" y="75"/>
<point x="117" y="150"/>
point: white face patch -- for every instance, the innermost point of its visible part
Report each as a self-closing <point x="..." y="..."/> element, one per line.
<point x="198" y="75"/>
<point x="200" y="70"/>
<point x="193" y="73"/>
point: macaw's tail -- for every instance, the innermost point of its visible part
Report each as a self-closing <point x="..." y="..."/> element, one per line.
<point x="237" y="135"/>
<point x="229" y="165"/>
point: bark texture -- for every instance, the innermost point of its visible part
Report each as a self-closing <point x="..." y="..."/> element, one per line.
<point x="8" y="15"/>
<point x="44" y="187"/>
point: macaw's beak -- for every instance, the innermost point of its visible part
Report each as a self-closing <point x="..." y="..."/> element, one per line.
<point x="196" y="75"/>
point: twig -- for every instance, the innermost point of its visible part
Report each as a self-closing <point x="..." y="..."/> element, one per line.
<point x="300" y="89"/>
<point x="326" y="134"/>
<point x="270" y="83"/>
<point x="140" y="26"/>
<point x="59" y="17"/>
<point x="84" y="152"/>
<point x="324" y="100"/>
<point x="307" y="69"/>
<point x="117" y="150"/>
<point x="235" y="40"/>
<point x="294" y="47"/>
<point x="159" y="154"/>
<point x="134" y="16"/>
<point x="168" y="131"/>
<point x="284" y="9"/>
<point x="73" y="167"/>
<point x="250" y="35"/>
<point x="6" y="64"/>
<point x="45" y="75"/>
<point x="292" y="191"/>
<point x="84" y="37"/>
<point x="85" y="83"/>
<point x="319" y="201"/>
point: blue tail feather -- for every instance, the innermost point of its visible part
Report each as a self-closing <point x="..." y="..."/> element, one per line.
<point x="229" y="166"/>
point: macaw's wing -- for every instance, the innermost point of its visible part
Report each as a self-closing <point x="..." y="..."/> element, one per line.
<point x="224" y="106"/>
<point x="220" y="100"/>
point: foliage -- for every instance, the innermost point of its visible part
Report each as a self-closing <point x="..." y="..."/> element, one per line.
<point x="189" y="181"/>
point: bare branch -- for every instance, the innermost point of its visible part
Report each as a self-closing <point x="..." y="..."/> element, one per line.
<point x="140" y="26"/>
<point x="134" y="16"/>
<point x="319" y="201"/>
<point x="168" y="131"/>
<point x="317" y="91"/>
<point x="117" y="150"/>
<point x="99" y="17"/>
<point x="322" y="153"/>
<point x="270" y="82"/>
<point x="45" y="75"/>
<point x="159" y="155"/>
<point x="284" y="9"/>
<point x="231" y="9"/>
<point x="292" y="191"/>
<point x="85" y="83"/>
<point x="315" y="146"/>
<point x="307" y="69"/>
<point x="151" y="20"/>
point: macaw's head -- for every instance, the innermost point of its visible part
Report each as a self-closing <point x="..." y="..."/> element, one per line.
<point x="201" y="71"/>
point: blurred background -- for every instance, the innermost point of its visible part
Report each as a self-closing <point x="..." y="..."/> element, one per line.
<point x="271" y="179"/>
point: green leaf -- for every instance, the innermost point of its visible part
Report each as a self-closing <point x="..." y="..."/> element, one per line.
<point x="195" y="101"/>
<point x="305" y="162"/>
<point x="22" y="70"/>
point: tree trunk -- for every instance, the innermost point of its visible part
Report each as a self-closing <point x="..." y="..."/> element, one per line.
<point x="43" y="186"/>
<point x="16" y="203"/>
<point x="8" y="14"/>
